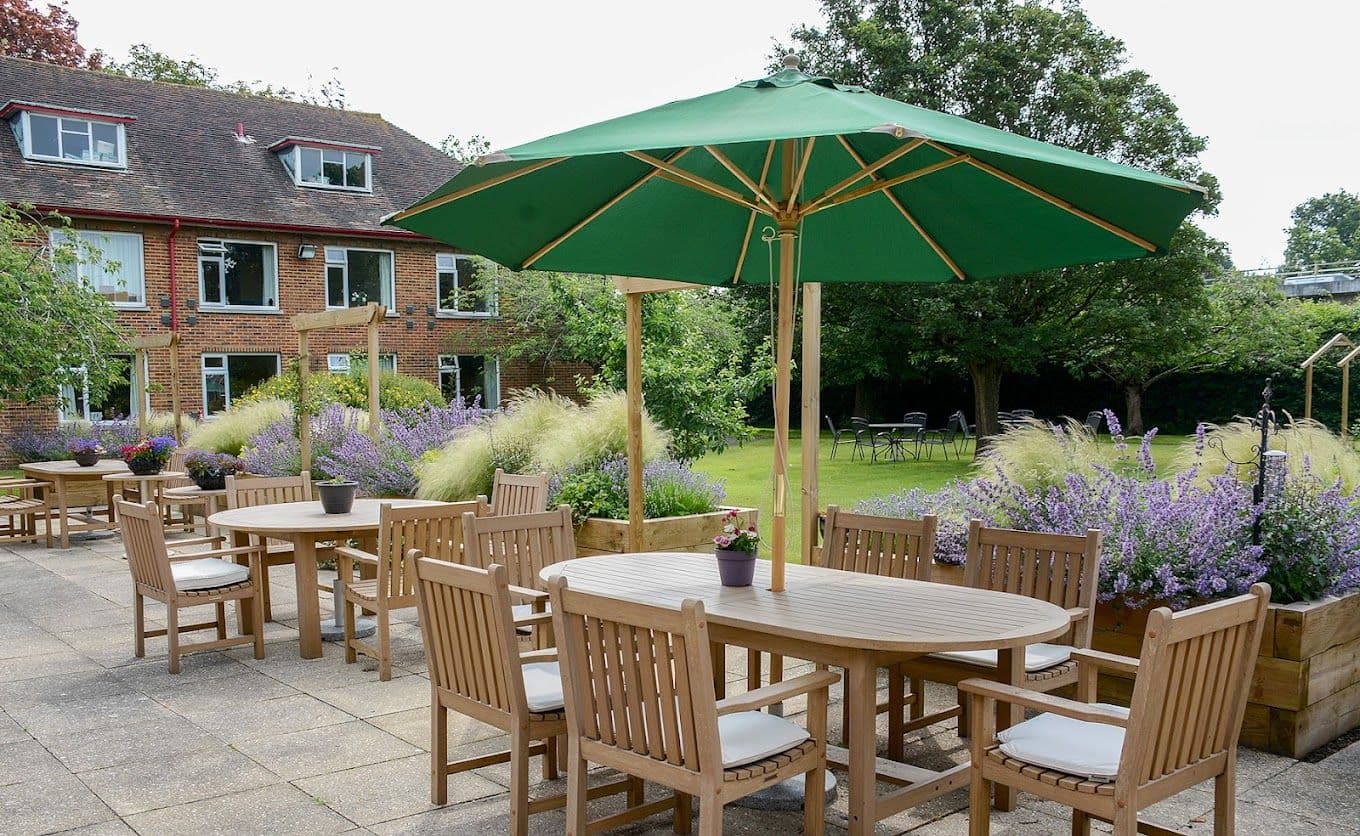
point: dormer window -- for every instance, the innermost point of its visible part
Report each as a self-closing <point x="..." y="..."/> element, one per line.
<point x="49" y="134"/>
<point x="327" y="165"/>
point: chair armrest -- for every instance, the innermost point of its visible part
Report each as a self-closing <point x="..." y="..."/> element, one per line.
<point x="174" y="558"/>
<point x="1075" y="614"/>
<point x="20" y="482"/>
<point x="533" y="618"/>
<point x="778" y="692"/>
<point x="356" y="554"/>
<point x="534" y="595"/>
<point x="1101" y="659"/>
<point x="195" y="541"/>
<point x="547" y="654"/>
<point x="1039" y="701"/>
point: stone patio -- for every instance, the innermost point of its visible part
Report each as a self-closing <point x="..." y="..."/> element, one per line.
<point x="96" y="741"/>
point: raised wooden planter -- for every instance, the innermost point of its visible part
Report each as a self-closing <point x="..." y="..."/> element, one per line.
<point x="692" y="533"/>
<point x="1306" y="687"/>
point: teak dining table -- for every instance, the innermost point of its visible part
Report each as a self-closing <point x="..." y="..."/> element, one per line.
<point x="61" y="474"/>
<point x="842" y="619"/>
<point x="305" y="524"/>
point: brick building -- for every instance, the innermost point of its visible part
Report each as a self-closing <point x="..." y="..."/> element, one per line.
<point x="224" y="215"/>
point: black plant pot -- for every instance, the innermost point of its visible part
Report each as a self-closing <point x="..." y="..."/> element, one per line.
<point x="213" y="480"/>
<point x="142" y="467"/>
<point x="86" y="459"/>
<point x="337" y="498"/>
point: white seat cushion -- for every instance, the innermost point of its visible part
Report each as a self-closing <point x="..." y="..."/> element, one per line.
<point x="1037" y="656"/>
<point x="207" y="573"/>
<point x="1086" y="750"/>
<point x="543" y="686"/>
<point x="749" y="736"/>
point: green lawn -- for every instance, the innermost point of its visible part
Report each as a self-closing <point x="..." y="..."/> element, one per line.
<point x="746" y="472"/>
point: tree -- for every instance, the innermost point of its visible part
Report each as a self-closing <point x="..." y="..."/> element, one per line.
<point x="26" y="32"/>
<point x="1326" y="228"/>
<point x="465" y="150"/>
<point x="1037" y="69"/>
<point x="151" y="65"/>
<point x="57" y="331"/>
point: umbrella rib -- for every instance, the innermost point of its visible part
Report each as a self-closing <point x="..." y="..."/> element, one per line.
<point x="751" y="221"/>
<point x="920" y="230"/>
<point x="757" y="190"/>
<point x="884" y="185"/>
<point x="802" y="172"/>
<point x="904" y="149"/>
<point x="1051" y="199"/>
<point x="471" y="190"/>
<point x="609" y="204"/>
<point x="693" y="181"/>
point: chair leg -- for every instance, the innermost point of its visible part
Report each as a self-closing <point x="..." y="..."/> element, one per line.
<point x="351" y="656"/>
<point x="439" y="753"/>
<point x="519" y="781"/>
<point x="845" y="712"/>
<point x="172" y="635"/>
<point x="138" y="624"/>
<point x="257" y="615"/>
<point x="636" y="791"/>
<point x="710" y="817"/>
<point x="896" y="705"/>
<point x="384" y="645"/>
<point x="267" y="597"/>
<point x="979" y="804"/>
<point x="221" y="620"/>
<point x="917" y="706"/>
<point x="549" y="759"/>
<point x="684" y="814"/>
<point x="964" y="712"/>
<point x="1126" y="821"/>
<point x="1225" y="798"/>
<point x="1081" y="823"/>
<point x="576" y="789"/>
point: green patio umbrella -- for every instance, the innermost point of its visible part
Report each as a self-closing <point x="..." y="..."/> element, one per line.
<point x="851" y="186"/>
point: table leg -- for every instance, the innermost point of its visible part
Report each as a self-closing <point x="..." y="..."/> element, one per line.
<point x="309" y="606"/>
<point x="1010" y="664"/>
<point x="245" y="612"/>
<point x="861" y="688"/>
<point x="108" y="497"/>
<point x="63" y="513"/>
<point x="717" y="652"/>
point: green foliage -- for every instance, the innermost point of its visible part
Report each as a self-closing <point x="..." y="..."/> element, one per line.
<point x="51" y="325"/>
<point x="1038" y="456"/>
<point x="229" y="432"/>
<point x="151" y="65"/>
<point x="465" y="150"/>
<point x="1314" y="452"/>
<point x="163" y="423"/>
<point x="592" y="493"/>
<point x="1325" y="228"/>
<point x="395" y="391"/>
<point x="597" y="433"/>
<point x="1307" y="530"/>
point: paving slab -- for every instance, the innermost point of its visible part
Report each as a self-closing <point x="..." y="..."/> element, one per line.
<point x="110" y="745"/>
<point x="303" y="754"/>
<point x="372" y="794"/>
<point x="177" y="779"/>
<point x="52" y="804"/>
<point x="27" y="760"/>
<point x="276" y="809"/>
<point x="369" y="699"/>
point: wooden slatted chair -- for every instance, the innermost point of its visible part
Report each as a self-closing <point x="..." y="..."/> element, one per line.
<point x="524" y="544"/>
<point x="641" y="699"/>
<point x="1181" y="728"/>
<point x="248" y="492"/>
<point x="22" y="503"/>
<point x="436" y="530"/>
<point x="186" y="580"/>
<point x="476" y="669"/>
<point x="1062" y="569"/>
<point x="514" y="494"/>
<point x="190" y="505"/>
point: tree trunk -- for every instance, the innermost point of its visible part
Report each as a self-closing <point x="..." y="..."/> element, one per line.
<point x="1133" y="409"/>
<point x="986" y="400"/>
<point x="864" y="399"/>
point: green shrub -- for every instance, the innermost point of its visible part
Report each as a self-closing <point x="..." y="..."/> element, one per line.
<point x="229" y="431"/>
<point x="1313" y="450"/>
<point x="395" y="391"/>
<point x="1036" y="455"/>
<point x="598" y="432"/>
<point x="163" y="423"/>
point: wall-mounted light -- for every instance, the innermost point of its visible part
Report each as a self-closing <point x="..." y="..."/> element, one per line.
<point x="306" y="251"/>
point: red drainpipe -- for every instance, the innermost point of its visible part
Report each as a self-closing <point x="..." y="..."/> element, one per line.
<point x="174" y="286"/>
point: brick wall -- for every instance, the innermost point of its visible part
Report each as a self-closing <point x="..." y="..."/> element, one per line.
<point x="416" y="337"/>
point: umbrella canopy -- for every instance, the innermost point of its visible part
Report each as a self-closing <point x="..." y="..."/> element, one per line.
<point x="854" y="187"/>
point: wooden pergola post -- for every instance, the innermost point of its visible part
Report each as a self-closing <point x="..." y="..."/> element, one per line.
<point x="142" y="369"/>
<point x="1307" y="366"/>
<point x="1345" y="364"/>
<point x="371" y="316"/>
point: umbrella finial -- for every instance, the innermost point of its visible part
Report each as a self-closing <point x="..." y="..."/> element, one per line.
<point x="791" y="62"/>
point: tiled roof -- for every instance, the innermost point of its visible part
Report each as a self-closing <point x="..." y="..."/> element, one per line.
<point x="184" y="162"/>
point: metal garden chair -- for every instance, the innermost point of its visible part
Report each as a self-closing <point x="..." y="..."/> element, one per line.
<point x="836" y="438"/>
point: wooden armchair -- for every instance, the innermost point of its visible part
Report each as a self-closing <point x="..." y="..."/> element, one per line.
<point x="186" y="580"/>
<point x="245" y="493"/>
<point x="436" y="530"/>
<point x="477" y="670"/>
<point x="514" y="494"/>
<point x="1106" y="762"/>
<point x="173" y="495"/>
<point x="641" y="699"/>
<point x="22" y="503"/>
<point x="524" y="544"/>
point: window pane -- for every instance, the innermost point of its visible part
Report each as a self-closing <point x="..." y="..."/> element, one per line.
<point x="335" y="286"/>
<point x="311" y="165"/>
<point x="248" y="370"/>
<point x="214" y="392"/>
<point x="448" y="383"/>
<point x="75" y="145"/>
<point x="212" y="280"/>
<point x="368" y="275"/>
<point x="214" y="361"/>
<point x="43" y="136"/>
<point x="250" y="274"/>
<point x="333" y="167"/>
<point x="335" y="255"/>
<point x="105" y="142"/>
<point x="387" y="363"/>
<point x="117" y="402"/>
<point x="116" y="270"/>
<point x="354" y="170"/>
<point x="472" y="371"/>
<point x="476" y="283"/>
<point x="448" y="289"/>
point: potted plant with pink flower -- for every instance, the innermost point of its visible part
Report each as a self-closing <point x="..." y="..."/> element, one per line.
<point x="735" y="549"/>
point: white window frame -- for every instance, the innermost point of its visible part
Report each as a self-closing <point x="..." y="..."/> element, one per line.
<point x="327" y="264"/>
<point x="449" y="363"/>
<point x="224" y="371"/>
<point x="136" y="405"/>
<point x="342" y="363"/>
<point x="222" y="277"/>
<point x="492" y="307"/>
<point x="292" y="163"/>
<point x="55" y="236"/>
<point x="23" y="132"/>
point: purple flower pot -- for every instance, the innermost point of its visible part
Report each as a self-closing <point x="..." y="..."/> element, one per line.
<point x="735" y="568"/>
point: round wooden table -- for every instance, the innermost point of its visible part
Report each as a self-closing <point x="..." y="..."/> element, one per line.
<point x="61" y="474"/>
<point x="212" y="500"/>
<point x="844" y="619"/>
<point x="148" y="485"/>
<point x="305" y="524"/>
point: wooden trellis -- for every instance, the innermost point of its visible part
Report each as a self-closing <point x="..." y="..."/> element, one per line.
<point x="142" y="369"/>
<point x="1307" y="366"/>
<point x="371" y="316"/>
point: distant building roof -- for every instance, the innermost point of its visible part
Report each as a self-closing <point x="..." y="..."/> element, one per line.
<point x="184" y="160"/>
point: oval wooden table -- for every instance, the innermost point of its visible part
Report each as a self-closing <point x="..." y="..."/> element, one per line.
<point x="149" y="486"/>
<point x="304" y="524"/>
<point x="60" y="473"/>
<point x="843" y="619"/>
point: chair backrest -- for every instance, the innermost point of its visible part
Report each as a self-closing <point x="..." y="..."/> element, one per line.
<point x="963" y="424"/>
<point x="523" y="543"/>
<point x="1093" y="419"/>
<point x="1062" y="569"/>
<point x="512" y="493"/>
<point x="245" y="493"/>
<point x="176" y="465"/>
<point x="879" y="545"/>
<point x="469" y="635"/>
<point x="1193" y="680"/>
<point x="435" y="530"/>
<point x="831" y="425"/>
<point x="144" y="543"/>
<point x="860" y="426"/>
<point x="914" y="418"/>
<point x="641" y="678"/>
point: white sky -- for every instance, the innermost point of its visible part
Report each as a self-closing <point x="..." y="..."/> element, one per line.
<point x="1270" y="84"/>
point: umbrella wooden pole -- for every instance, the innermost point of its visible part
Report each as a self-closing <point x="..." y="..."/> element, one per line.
<point x="812" y="404"/>
<point x="788" y="242"/>
<point x="633" y="311"/>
